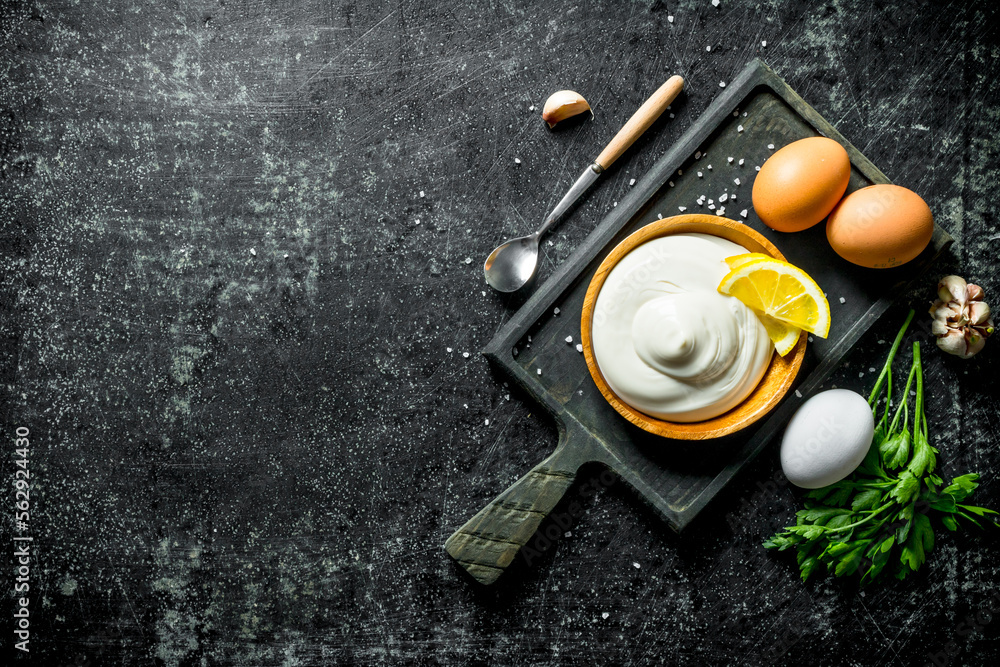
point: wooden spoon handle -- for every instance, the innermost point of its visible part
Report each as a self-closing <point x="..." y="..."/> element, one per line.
<point x="640" y="121"/>
<point x="489" y="541"/>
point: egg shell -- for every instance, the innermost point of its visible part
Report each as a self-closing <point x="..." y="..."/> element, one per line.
<point x="800" y="184"/>
<point x="880" y="226"/>
<point x="827" y="438"/>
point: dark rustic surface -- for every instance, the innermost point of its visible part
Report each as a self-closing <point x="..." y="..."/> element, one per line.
<point x="227" y="314"/>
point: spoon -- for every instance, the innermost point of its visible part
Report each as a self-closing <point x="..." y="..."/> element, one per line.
<point x="512" y="264"/>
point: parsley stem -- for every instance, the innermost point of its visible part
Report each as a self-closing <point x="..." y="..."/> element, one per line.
<point x="871" y="516"/>
<point x="903" y="405"/>
<point x="886" y="370"/>
<point x="919" y="418"/>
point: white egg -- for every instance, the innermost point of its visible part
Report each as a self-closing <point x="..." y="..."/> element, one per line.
<point x="827" y="438"/>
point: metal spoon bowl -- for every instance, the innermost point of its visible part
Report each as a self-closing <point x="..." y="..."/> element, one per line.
<point x="511" y="265"/>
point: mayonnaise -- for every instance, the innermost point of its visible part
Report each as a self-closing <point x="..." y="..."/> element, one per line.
<point x="667" y="342"/>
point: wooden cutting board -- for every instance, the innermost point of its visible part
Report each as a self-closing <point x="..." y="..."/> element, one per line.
<point x="757" y="114"/>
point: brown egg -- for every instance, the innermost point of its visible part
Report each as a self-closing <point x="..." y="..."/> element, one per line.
<point x="800" y="184"/>
<point x="880" y="226"/>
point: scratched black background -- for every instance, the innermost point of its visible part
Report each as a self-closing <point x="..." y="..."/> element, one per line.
<point x="242" y="247"/>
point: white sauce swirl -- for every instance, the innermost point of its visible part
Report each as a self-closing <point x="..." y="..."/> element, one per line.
<point x="667" y="342"/>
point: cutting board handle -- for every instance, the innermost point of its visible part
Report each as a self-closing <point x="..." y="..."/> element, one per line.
<point x="488" y="543"/>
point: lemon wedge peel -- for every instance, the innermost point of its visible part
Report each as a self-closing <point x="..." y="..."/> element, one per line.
<point x="784" y="336"/>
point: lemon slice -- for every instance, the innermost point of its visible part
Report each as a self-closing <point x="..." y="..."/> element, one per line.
<point x="781" y="291"/>
<point x="740" y="260"/>
<point x="784" y="336"/>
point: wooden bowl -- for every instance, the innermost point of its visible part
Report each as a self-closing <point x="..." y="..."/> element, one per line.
<point x="778" y="378"/>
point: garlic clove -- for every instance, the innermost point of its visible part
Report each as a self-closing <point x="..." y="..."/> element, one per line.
<point x="939" y="328"/>
<point x="953" y="343"/>
<point x="979" y="312"/>
<point x="974" y="292"/>
<point x="564" y="104"/>
<point x="950" y="313"/>
<point x="953" y="288"/>
<point x="974" y="342"/>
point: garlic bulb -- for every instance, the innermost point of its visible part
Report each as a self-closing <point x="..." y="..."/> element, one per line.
<point x="564" y="104"/>
<point x="961" y="319"/>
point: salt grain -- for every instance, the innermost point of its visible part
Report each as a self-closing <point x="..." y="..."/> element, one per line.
<point x="465" y="355"/>
<point x="708" y="48"/>
<point x="757" y="168"/>
<point x="670" y="183"/>
<point x="715" y="3"/>
<point x="763" y="42"/>
<point x="531" y="108"/>
<point x="539" y="371"/>
<point x="605" y="615"/>
<point x="517" y="160"/>
<point x="798" y="393"/>
<point x="636" y="565"/>
<point x="709" y="166"/>
<point x="556" y="311"/>
<point x="682" y="208"/>
<point x="843" y="300"/>
<point x="722" y="84"/>
<point x="697" y="155"/>
<point x="739" y="128"/>
<point x="468" y="260"/>
<point x="700" y="174"/>
<point x="449" y="349"/>
<point x="659" y="216"/>
<point x="253" y="251"/>
<point x="729" y="160"/>
<point x="770" y="147"/>
<point x="421" y="194"/>
<point x="736" y="181"/>
<point x="569" y="339"/>
<point x="741" y="162"/>
<point x="670" y="19"/>
<point x="723" y="197"/>
<point x="632" y="182"/>
<point x="579" y="347"/>
<point x="743" y="213"/>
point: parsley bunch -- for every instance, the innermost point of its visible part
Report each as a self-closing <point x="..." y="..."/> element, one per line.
<point x="878" y="520"/>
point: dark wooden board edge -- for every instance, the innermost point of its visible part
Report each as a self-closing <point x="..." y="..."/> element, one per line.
<point x="499" y="351"/>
